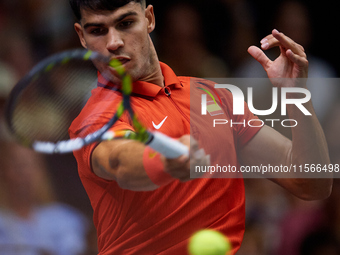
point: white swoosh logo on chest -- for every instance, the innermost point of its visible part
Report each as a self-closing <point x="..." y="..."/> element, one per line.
<point x="160" y="124"/>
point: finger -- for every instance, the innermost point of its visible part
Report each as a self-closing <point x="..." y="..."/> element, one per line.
<point x="268" y="37"/>
<point x="186" y="140"/>
<point x="269" y="42"/>
<point x="288" y="43"/>
<point x="259" y="55"/>
<point x="283" y="50"/>
<point x="183" y="159"/>
<point x="274" y="43"/>
<point x="302" y="62"/>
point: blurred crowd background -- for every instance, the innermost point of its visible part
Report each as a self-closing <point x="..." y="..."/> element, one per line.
<point x="43" y="206"/>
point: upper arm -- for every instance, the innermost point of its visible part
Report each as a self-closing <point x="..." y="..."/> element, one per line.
<point x="267" y="147"/>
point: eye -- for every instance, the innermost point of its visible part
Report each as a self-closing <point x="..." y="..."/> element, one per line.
<point x="126" y="24"/>
<point x="98" y="31"/>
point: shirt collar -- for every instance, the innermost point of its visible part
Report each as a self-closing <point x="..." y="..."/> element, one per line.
<point x="146" y="89"/>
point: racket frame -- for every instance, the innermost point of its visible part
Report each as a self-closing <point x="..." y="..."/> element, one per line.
<point x="167" y="146"/>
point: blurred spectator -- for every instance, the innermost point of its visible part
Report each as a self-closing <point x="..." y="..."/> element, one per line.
<point x="15" y="61"/>
<point x="266" y="203"/>
<point x="242" y="32"/>
<point x="253" y="240"/>
<point x="16" y="52"/>
<point x="312" y="228"/>
<point x="332" y="205"/>
<point x="181" y="44"/>
<point x="8" y="77"/>
<point x="331" y="128"/>
<point x="31" y="221"/>
<point x="29" y="31"/>
<point x="21" y="48"/>
<point x="302" y="218"/>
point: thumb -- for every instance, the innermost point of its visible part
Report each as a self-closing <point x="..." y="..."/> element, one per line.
<point x="259" y="55"/>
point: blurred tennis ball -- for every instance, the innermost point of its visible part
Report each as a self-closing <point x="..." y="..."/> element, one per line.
<point x="209" y="242"/>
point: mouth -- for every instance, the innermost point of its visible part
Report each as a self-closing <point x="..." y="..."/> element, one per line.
<point x="122" y="60"/>
<point x="118" y="69"/>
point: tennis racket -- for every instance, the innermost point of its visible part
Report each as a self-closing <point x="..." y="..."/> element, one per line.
<point x="43" y="104"/>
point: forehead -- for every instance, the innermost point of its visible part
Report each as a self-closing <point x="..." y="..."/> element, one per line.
<point x="89" y="15"/>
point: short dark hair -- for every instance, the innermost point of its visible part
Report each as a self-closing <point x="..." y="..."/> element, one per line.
<point x="99" y="5"/>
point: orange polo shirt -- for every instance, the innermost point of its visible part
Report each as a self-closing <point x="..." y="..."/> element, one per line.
<point x="162" y="221"/>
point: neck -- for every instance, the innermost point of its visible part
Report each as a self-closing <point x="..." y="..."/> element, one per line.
<point x="155" y="74"/>
<point x="155" y="77"/>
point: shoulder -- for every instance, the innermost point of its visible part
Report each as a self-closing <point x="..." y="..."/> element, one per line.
<point x="196" y="81"/>
<point x="97" y="111"/>
<point x="200" y="86"/>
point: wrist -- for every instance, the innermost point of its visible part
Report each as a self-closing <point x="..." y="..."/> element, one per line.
<point x="154" y="167"/>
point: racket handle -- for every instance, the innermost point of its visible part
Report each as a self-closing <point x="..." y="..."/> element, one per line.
<point x="167" y="146"/>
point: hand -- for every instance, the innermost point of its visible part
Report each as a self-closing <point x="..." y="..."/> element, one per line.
<point x="291" y="64"/>
<point x="180" y="168"/>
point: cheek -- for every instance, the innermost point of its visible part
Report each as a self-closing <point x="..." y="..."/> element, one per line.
<point x="142" y="49"/>
<point x="96" y="47"/>
<point x="139" y="40"/>
<point x="96" y="44"/>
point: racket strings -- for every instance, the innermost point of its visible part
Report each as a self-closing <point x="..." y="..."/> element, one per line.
<point x="52" y="99"/>
<point x="141" y="134"/>
<point x="52" y="95"/>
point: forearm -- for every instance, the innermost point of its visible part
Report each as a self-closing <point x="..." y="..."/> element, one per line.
<point x="309" y="146"/>
<point x="138" y="168"/>
<point x="122" y="161"/>
<point x="308" y="140"/>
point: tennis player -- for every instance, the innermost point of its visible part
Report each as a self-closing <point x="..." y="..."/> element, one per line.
<point x="144" y="203"/>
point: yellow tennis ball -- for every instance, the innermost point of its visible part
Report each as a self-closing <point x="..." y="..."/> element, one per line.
<point x="209" y="242"/>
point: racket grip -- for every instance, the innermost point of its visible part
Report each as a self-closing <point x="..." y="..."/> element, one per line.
<point x="167" y="146"/>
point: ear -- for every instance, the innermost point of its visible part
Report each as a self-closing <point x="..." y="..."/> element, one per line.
<point x="150" y="16"/>
<point x="80" y="33"/>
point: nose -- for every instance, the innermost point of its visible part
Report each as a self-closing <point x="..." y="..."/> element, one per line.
<point x="115" y="41"/>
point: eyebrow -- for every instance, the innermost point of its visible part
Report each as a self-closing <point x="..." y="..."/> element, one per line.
<point x="120" y="18"/>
